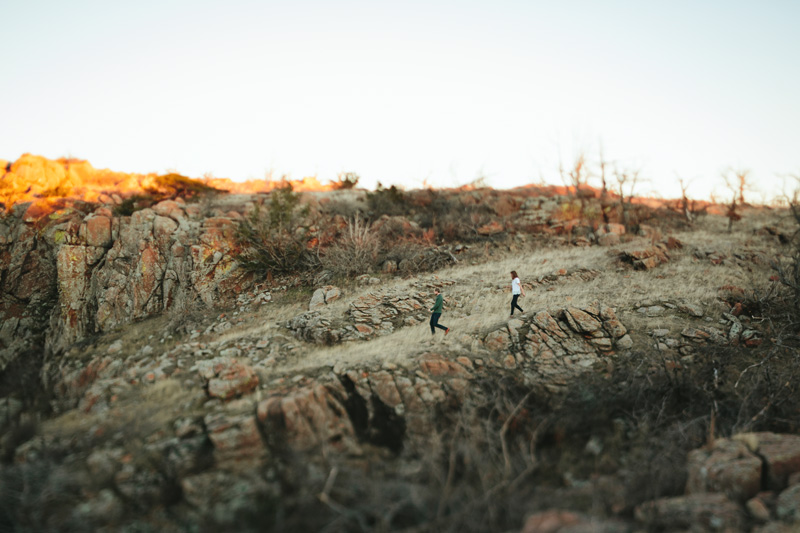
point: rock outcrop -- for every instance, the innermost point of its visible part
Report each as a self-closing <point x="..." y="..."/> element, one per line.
<point x="81" y="270"/>
<point x="558" y="344"/>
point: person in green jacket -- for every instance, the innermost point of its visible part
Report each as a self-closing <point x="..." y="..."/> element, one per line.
<point x="437" y="312"/>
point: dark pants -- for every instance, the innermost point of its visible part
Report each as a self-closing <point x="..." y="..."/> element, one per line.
<point x="514" y="304"/>
<point x="435" y="322"/>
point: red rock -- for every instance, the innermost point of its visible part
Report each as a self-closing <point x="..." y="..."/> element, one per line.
<point x="729" y="467"/>
<point x="580" y="321"/>
<point x="701" y="512"/>
<point x="608" y="239"/>
<point x="551" y="521"/>
<point x="505" y="206"/>
<point x="309" y="417"/>
<point x="674" y="244"/>
<point x="163" y="228"/>
<point x="436" y="365"/>
<point x="233" y="379"/>
<point x="782" y="453"/>
<point x="497" y="340"/>
<point x="492" y="228"/>
<point x="236" y="439"/>
<point x="97" y="231"/>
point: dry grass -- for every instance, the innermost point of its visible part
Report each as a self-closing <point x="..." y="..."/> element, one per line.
<point x="478" y="301"/>
<point x="140" y="413"/>
<point x="483" y="294"/>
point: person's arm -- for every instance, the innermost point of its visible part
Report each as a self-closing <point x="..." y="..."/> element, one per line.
<point x="521" y="288"/>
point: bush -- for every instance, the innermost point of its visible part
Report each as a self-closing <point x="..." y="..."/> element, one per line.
<point x="355" y="253"/>
<point x="133" y="204"/>
<point x="174" y="185"/>
<point x="412" y="257"/>
<point x="391" y="201"/>
<point x="450" y="218"/>
<point x="282" y="206"/>
<point x="346" y="180"/>
<point x="274" y="244"/>
<point x="789" y="275"/>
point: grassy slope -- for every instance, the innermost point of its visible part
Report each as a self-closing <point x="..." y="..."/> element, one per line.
<point x="477" y="303"/>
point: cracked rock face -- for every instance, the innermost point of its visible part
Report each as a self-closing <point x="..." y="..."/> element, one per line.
<point x="558" y="344"/>
<point x="71" y="273"/>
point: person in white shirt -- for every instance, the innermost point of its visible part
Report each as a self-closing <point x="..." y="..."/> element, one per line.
<point x="516" y="291"/>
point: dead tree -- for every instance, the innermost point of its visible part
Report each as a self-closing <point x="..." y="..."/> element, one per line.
<point x="576" y="179"/>
<point x="686" y="205"/>
<point x="605" y="204"/>
<point x="736" y="183"/>
<point x="626" y="181"/>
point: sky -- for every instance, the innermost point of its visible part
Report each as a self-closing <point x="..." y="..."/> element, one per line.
<point x="415" y="93"/>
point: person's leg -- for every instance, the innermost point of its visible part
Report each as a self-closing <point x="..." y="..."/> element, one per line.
<point x="445" y="328"/>
<point x="434" y="321"/>
<point x="516" y="298"/>
<point x="514" y="303"/>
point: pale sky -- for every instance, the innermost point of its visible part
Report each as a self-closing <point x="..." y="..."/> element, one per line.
<point x="410" y="93"/>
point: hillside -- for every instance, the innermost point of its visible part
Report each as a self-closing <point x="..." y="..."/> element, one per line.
<point x="191" y="359"/>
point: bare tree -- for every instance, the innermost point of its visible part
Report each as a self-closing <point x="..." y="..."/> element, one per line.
<point x="576" y="178"/>
<point x="736" y="183"/>
<point x="687" y="206"/>
<point x="626" y="181"/>
<point x="605" y="205"/>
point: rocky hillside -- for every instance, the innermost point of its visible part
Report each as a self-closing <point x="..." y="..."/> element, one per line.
<point x="149" y="381"/>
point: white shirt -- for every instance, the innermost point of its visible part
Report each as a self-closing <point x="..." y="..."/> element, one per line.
<point x="515" y="286"/>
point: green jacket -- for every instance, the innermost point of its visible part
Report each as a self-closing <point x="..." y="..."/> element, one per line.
<point x="437" y="307"/>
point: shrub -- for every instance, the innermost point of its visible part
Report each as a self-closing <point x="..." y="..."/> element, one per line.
<point x="275" y="244"/>
<point x="355" y="253"/>
<point x="789" y="275"/>
<point x="174" y="185"/>
<point x="391" y="201"/>
<point x="346" y="180"/>
<point x="282" y="206"/>
<point x="133" y="204"/>
<point x="413" y="256"/>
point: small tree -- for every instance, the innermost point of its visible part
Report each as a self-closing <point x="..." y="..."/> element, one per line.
<point x="736" y="183"/>
<point x="576" y="178"/>
<point x="346" y="180"/>
<point x="687" y="207"/>
<point x="605" y="205"/>
<point x="626" y="181"/>
<point x="270" y="244"/>
<point x="282" y="203"/>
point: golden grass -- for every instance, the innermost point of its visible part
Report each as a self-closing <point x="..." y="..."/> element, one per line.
<point x="484" y="293"/>
<point x="139" y="411"/>
<point x="478" y="300"/>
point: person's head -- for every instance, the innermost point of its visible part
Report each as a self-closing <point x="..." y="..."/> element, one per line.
<point x="514" y="274"/>
<point x="436" y="290"/>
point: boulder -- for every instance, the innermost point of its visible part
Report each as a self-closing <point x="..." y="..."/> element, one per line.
<point x="788" y="505"/>
<point x="608" y="239"/>
<point x="700" y="512"/>
<point x="492" y="228"/>
<point x="729" y="468"/>
<point x="323" y="296"/>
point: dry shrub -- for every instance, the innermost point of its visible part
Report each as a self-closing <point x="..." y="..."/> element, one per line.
<point x="413" y="256"/>
<point x="391" y="201"/>
<point x="474" y="474"/>
<point x="175" y="185"/>
<point x="346" y="180"/>
<point x="355" y="253"/>
<point x="270" y="244"/>
<point x="789" y="274"/>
